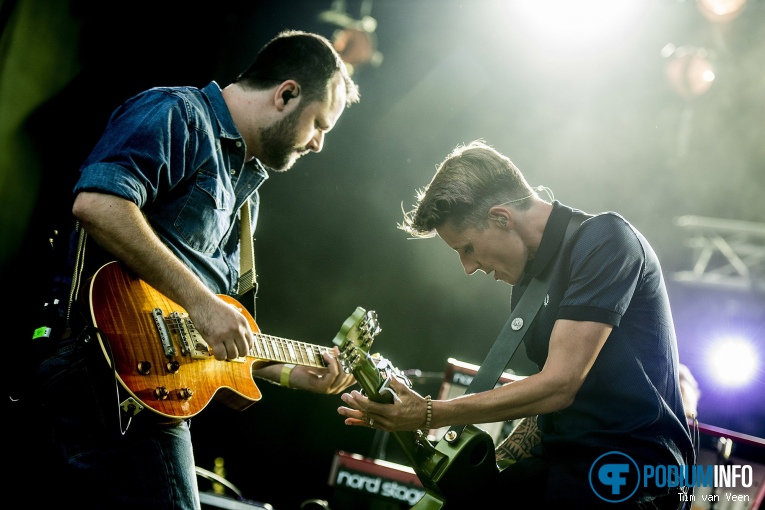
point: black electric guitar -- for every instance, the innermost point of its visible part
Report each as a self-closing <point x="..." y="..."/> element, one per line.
<point x="459" y="471"/>
<point x="166" y="366"/>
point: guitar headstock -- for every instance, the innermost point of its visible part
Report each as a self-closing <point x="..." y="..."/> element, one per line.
<point x="372" y="371"/>
<point x="356" y="335"/>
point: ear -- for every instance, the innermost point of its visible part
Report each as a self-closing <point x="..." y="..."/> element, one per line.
<point x="285" y="93"/>
<point x="502" y="217"/>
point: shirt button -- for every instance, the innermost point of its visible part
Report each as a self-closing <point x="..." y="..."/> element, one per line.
<point x="233" y="172"/>
<point x="238" y="143"/>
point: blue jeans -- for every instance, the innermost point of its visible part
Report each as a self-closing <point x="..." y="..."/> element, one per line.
<point x="100" y="457"/>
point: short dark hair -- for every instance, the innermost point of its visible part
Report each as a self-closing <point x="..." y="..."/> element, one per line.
<point x="469" y="182"/>
<point x="307" y="58"/>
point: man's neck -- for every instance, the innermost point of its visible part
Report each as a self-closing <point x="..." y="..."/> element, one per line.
<point x="534" y="222"/>
<point x="250" y="112"/>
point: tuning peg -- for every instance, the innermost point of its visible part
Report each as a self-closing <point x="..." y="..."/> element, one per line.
<point x="371" y="324"/>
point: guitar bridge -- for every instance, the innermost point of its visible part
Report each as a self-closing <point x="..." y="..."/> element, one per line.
<point x="191" y="341"/>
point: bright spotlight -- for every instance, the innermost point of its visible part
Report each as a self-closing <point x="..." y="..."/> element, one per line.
<point x="733" y="362"/>
<point x="563" y="26"/>
<point x="720" y="11"/>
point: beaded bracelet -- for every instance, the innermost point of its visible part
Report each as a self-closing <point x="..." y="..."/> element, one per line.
<point x="284" y="379"/>
<point x="428" y="414"/>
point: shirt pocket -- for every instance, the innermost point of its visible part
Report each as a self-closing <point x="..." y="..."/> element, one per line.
<point x="206" y="217"/>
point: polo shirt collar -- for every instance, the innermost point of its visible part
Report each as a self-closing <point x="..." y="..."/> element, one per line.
<point x="552" y="237"/>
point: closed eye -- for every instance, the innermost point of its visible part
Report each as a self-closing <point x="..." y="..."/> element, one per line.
<point x="321" y="127"/>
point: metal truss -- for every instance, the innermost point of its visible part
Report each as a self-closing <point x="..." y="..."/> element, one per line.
<point x="727" y="253"/>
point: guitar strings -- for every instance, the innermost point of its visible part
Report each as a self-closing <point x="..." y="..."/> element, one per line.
<point x="281" y="349"/>
<point x="277" y="348"/>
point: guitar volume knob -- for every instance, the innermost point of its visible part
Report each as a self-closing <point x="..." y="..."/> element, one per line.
<point x="161" y="393"/>
<point x="185" y="393"/>
<point x="144" y="367"/>
<point x="173" y="366"/>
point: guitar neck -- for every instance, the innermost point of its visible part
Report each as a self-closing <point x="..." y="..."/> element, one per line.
<point x="374" y="378"/>
<point x="283" y="350"/>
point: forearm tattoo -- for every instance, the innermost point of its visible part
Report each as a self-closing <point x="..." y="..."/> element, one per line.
<point x="521" y="440"/>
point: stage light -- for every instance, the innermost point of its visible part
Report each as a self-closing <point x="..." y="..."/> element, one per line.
<point x="720" y="11"/>
<point x="357" y="47"/>
<point x="733" y="362"/>
<point x="689" y="70"/>
<point x="354" y="39"/>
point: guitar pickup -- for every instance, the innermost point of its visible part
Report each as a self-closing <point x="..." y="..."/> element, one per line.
<point x="164" y="332"/>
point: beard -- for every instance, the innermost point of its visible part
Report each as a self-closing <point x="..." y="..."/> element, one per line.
<point x="278" y="143"/>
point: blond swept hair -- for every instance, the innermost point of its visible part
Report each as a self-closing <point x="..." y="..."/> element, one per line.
<point x="471" y="180"/>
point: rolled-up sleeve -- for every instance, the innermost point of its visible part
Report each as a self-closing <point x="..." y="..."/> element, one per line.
<point x="143" y="150"/>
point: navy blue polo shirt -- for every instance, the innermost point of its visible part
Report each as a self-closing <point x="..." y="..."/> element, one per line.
<point x="630" y="400"/>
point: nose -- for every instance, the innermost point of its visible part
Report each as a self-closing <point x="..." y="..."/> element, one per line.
<point x="317" y="142"/>
<point x="470" y="266"/>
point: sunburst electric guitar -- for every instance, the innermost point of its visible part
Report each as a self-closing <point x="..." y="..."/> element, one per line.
<point x="450" y="472"/>
<point x="166" y="366"/>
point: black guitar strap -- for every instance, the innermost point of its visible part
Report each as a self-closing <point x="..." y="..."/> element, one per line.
<point x="513" y="332"/>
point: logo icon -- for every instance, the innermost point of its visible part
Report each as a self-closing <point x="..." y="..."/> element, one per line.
<point x="614" y="477"/>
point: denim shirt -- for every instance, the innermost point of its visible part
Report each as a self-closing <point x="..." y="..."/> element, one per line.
<point x="176" y="153"/>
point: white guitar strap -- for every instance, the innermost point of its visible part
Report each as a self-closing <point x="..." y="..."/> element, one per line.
<point x="248" y="285"/>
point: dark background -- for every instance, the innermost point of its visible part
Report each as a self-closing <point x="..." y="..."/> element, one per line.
<point x="601" y="125"/>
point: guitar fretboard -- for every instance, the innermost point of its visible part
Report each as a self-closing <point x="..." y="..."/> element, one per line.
<point x="273" y="348"/>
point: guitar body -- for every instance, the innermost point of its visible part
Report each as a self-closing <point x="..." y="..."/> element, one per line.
<point x="459" y="473"/>
<point x="124" y="310"/>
